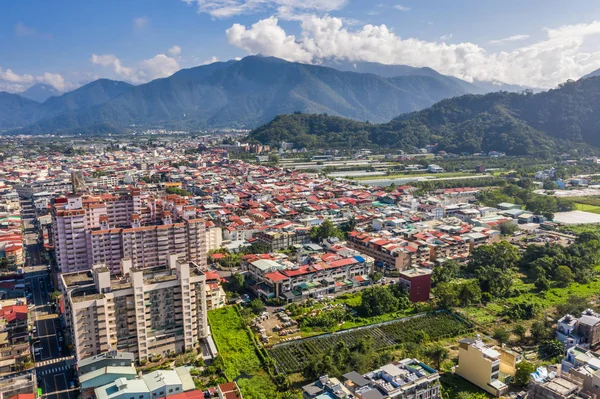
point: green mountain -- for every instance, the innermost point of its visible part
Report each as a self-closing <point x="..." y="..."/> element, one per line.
<point x="248" y="93"/>
<point x="16" y="111"/>
<point x="517" y="124"/>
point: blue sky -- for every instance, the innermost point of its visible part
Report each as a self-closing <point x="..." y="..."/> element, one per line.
<point x="66" y="43"/>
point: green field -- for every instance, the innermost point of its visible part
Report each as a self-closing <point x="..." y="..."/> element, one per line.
<point x="239" y="356"/>
<point x="587" y="208"/>
<point x="292" y="356"/>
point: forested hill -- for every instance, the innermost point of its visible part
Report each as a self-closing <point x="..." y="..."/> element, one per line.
<point x="518" y="124"/>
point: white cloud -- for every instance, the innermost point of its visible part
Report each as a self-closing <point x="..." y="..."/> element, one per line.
<point x="509" y="39"/>
<point x="159" y="66"/>
<point x="229" y="8"/>
<point x="211" y="60"/>
<point x="174" y="51"/>
<point x="268" y="38"/>
<point x="566" y="53"/>
<point x="140" y="23"/>
<point x="13" y="81"/>
<point x="446" y="37"/>
<point x="111" y="61"/>
<point x="400" y="7"/>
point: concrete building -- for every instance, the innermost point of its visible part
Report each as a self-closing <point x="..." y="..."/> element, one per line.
<point x="103" y="369"/>
<point x="147" y="312"/>
<point x="552" y="385"/>
<point x="583" y="331"/>
<point x="90" y="230"/>
<point x="22" y="383"/>
<point x="155" y="385"/>
<point x="479" y="364"/>
<point x="417" y="282"/>
<point x="405" y="379"/>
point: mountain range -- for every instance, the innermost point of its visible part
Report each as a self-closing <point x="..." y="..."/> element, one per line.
<point x="519" y="124"/>
<point x="40" y="92"/>
<point x="244" y="93"/>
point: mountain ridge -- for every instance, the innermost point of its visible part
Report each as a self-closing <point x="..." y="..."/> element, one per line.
<point x="244" y="93"/>
<point x="518" y="124"/>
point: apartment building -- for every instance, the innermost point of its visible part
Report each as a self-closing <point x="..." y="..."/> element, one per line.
<point x="92" y="230"/>
<point x="390" y="253"/>
<point x="151" y="311"/>
<point x="480" y="364"/>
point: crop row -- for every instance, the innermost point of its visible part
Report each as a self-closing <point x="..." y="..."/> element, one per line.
<point x="292" y="356"/>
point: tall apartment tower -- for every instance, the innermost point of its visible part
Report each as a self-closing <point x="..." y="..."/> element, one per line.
<point x="106" y="229"/>
<point x="151" y="311"/>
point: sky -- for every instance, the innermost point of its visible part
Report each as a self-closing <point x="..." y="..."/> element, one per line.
<point x="536" y="43"/>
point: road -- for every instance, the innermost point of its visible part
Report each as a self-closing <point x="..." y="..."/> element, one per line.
<point x="54" y="370"/>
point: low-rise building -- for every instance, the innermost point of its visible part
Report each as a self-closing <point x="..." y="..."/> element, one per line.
<point x="480" y="364"/>
<point x="417" y="282"/>
<point x="553" y="385"/>
<point x="158" y="384"/>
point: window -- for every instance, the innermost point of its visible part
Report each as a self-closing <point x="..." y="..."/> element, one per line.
<point x="171" y="390"/>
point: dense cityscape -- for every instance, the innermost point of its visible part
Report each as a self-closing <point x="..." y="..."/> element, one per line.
<point x="202" y="266"/>
<point x="285" y="199"/>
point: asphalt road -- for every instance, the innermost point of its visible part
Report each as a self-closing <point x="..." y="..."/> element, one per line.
<point x="54" y="371"/>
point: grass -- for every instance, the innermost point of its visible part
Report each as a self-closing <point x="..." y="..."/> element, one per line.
<point x="237" y="351"/>
<point x="587" y="208"/>
<point x="454" y="386"/>
<point x="491" y="312"/>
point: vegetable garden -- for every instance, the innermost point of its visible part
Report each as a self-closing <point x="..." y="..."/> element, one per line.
<point x="292" y="356"/>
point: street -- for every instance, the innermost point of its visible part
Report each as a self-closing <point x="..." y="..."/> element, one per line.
<point x="54" y="370"/>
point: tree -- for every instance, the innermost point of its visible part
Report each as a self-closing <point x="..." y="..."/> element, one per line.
<point x="495" y="267"/>
<point x="445" y="272"/>
<point x="376" y="276"/>
<point x="520" y="331"/>
<point x="542" y="284"/>
<point x="501" y="335"/>
<point x="274" y="159"/>
<point x="539" y="332"/>
<point x="523" y="373"/>
<point x="377" y="300"/>
<point x="257" y="306"/>
<point x="563" y="276"/>
<point x="237" y="283"/>
<point x="553" y="348"/>
<point x="549" y="185"/>
<point x="325" y="230"/>
<point x="437" y="353"/>
<point x="508" y="228"/>
<point x="574" y="306"/>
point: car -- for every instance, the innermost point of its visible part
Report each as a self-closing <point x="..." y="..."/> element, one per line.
<point x="37" y="350"/>
<point x="72" y="385"/>
<point x="60" y="339"/>
<point x="34" y="329"/>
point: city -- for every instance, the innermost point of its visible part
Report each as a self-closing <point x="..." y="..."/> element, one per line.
<point x="283" y="199"/>
<point x="160" y="259"/>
